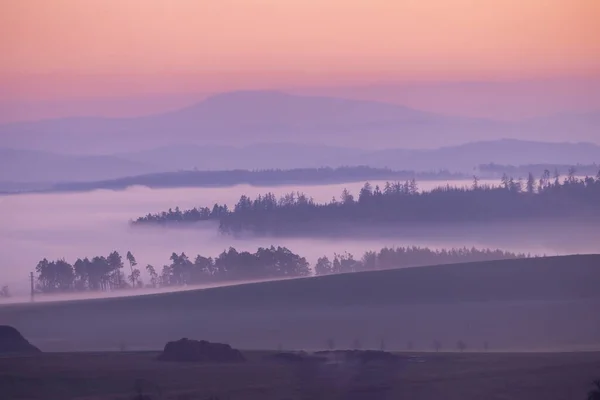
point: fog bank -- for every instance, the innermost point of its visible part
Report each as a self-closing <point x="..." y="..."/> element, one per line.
<point x="72" y="225"/>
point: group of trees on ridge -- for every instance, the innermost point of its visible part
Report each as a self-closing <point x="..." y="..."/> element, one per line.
<point x="513" y="199"/>
<point x="105" y="273"/>
<point x="493" y="170"/>
<point x="195" y="178"/>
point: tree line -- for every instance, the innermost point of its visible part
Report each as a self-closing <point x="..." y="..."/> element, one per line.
<point x="400" y="203"/>
<point x="102" y="273"/>
<point x="269" y="177"/>
<point x="493" y="170"/>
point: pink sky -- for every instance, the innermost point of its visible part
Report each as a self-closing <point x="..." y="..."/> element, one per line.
<point x="69" y="49"/>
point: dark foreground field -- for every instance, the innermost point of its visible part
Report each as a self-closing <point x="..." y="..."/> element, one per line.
<point x="526" y="376"/>
<point x="542" y="304"/>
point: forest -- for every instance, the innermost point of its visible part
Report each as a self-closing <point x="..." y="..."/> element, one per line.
<point x="398" y="204"/>
<point x="105" y="273"/>
<point x="268" y="177"/>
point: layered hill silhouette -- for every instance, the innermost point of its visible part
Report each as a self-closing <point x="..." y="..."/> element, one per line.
<point x="45" y="167"/>
<point x="253" y="117"/>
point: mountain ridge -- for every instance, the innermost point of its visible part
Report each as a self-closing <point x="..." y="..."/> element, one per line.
<point x="28" y="166"/>
<point x="250" y="117"/>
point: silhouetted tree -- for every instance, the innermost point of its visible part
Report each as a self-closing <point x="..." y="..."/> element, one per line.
<point x="153" y="275"/>
<point x="134" y="278"/>
<point x="461" y="346"/>
<point x="365" y="193"/>
<point x="5" y="292"/>
<point x="475" y="185"/>
<point x="134" y="275"/>
<point x="55" y="276"/>
<point x="115" y="264"/>
<point x="346" y="197"/>
<point x="571" y="175"/>
<point x="323" y="266"/>
<point x="437" y="346"/>
<point x="530" y="183"/>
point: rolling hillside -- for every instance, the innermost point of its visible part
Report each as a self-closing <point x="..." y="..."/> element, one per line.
<point x="541" y="303"/>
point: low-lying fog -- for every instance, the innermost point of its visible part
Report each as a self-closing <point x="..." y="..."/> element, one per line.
<point x="71" y="225"/>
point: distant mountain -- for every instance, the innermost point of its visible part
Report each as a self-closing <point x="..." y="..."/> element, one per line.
<point x="35" y="166"/>
<point x="252" y="117"/>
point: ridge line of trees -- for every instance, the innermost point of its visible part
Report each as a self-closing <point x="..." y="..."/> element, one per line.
<point x="401" y="202"/>
<point x="105" y="273"/>
<point x="195" y="178"/>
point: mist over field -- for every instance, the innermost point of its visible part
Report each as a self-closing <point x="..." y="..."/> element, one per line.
<point x="73" y="225"/>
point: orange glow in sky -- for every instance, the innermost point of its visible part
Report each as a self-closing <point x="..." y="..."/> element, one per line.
<point x="100" y="46"/>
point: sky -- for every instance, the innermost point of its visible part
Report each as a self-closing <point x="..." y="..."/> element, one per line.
<point x="72" y="49"/>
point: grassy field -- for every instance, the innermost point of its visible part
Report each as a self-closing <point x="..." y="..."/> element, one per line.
<point x="529" y="304"/>
<point x="450" y="376"/>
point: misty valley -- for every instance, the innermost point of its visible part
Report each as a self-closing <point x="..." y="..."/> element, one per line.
<point x="330" y="289"/>
<point x="287" y="245"/>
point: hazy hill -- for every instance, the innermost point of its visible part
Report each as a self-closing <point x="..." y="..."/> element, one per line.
<point x="519" y="304"/>
<point x="465" y="157"/>
<point x="460" y="158"/>
<point x="37" y="166"/>
<point x="257" y="116"/>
